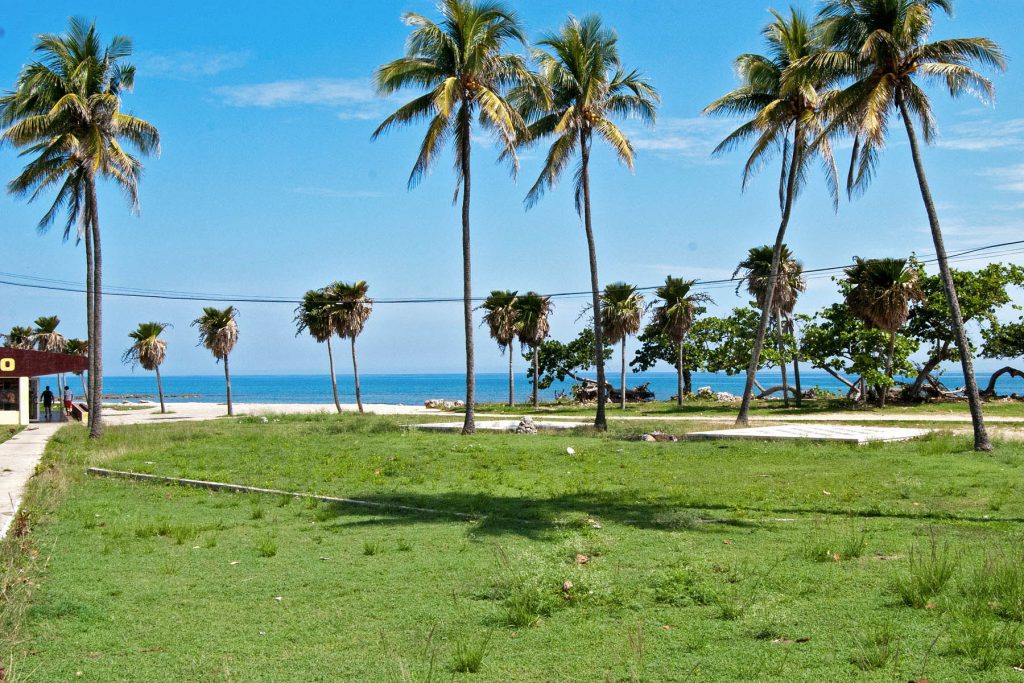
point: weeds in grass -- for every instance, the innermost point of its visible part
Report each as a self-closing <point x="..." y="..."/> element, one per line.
<point x="165" y="529"/>
<point x="257" y="513"/>
<point x="266" y="547"/>
<point x="403" y="670"/>
<point x="926" y="575"/>
<point x="403" y="545"/>
<point x="998" y="584"/>
<point x="372" y="548"/>
<point x="675" y="519"/>
<point x="682" y="586"/>
<point x="468" y="652"/>
<point x="827" y="545"/>
<point x="878" y="649"/>
<point x="986" y="641"/>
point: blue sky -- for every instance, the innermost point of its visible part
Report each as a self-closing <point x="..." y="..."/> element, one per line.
<point x="268" y="183"/>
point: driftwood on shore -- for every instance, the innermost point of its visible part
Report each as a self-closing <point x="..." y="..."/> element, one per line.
<point x="586" y="392"/>
<point x="990" y="390"/>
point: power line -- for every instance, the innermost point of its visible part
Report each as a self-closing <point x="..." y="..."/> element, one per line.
<point x="49" y="284"/>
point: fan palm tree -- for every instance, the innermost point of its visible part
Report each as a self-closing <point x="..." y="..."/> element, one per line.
<point x="78" y="347"/>
<point x="313" y="314"/>
<point x="883" y="47"/>
<point x="149" y="351"/>
<point x="880" y="294"/>
<point x="582" y="86"/>
<point x="461" y="65"/>
<point x="783" y="119"/>
<point x="533" y="329"/>
<point x="349" y="308"/>
<point x="502" y="320"/>
<point x="20" y="338"/>
<point x="65" y="112"/>
<point x="622" y="311"/>
<point x="674" y="316"/>
<point x="218" y="332"/>
<point x="46" y="336"/>
<point x="784" y="289"/>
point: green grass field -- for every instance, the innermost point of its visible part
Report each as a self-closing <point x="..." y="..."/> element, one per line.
<point x="627" y="561"/>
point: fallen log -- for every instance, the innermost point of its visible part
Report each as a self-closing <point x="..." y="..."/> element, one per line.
<point x="774" y="390"/>
<point x="990" y="390"/>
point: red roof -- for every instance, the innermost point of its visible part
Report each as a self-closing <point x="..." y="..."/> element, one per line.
<point x="25" y="363"/>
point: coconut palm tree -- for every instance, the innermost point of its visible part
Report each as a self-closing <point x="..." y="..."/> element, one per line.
<point x="674" y="316"/>
<point x="78" y="347"/>
<point x="582" y="87"/>
<point x="502" y="320"/>
<point x="783" y="119"/>
<point x="880" y="294"/>
<point x="461" y="66"/>
<point x="622" y="311"/>
<point x="883" y="48"/>
<point x="149" y="351"/>
<point x="218" y="332"/>
<point x="349" y="308"/>
<point x="313" y="314"/>
<point x="65" y="112"/>
<point x="533" y="329"/>
<point x="784" y="288"/>
<point x="20" y="338"/>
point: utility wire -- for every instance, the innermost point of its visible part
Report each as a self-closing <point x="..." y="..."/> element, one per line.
<point x="49" y="284"/>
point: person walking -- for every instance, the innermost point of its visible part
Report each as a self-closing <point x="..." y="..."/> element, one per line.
<point x="69" y="400"/>
<point x="47" y="397"/>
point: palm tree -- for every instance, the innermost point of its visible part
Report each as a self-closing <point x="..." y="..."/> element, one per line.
<point x="783" y="118"/>
<point x="313" y="314"/>
<point x="785" y="288"/>
<point x="149" y="351"/>
<point x="880" y="294"/>
<point x="883" y="47"/>
<point x="218" y="332"/>
<point x="349" y="308"/>
<point x="46" y="336"/>
<point x="460" y="64"/>
<point x="674" y="316"/>
<point x="534" y="326"/>
<point x="502" y="319"/>
<point x="78" y="347"/>
<point x="19" y="338"/>
<point x="622" y="312"/>
<point x="65" y="111"/>
<point x="582" y="87"/>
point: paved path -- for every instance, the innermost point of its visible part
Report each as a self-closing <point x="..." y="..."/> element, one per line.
<point x="19" y="456"/>
<point x="815" y="432"/>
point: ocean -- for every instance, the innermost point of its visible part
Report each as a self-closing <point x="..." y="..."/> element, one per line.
<point x="413" y="389"/>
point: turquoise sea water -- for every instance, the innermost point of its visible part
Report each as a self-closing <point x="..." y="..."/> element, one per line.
<point x="414" y="389"/>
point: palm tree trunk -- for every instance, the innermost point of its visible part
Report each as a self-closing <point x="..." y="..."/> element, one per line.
<point x="160" y="389"/>
<point x="334" y="377"/>
<point x="743" y="419"/>
<point x="85" y="389"/>
<point x="888" y="367"/>
<point x="687" y="382"/>
<point x="511" y="380"/>
<point x="90" y="320"/>
<point x="355" y="375"/>
<point x="536" y="376"/>
<point x="96" y="351"/>
<point x="600" y="421"/>
<point x="981" y="440"/>
<point x="679" y="375"/>
<point x="227" y="386"/>
<point x="796" y="379"/>
<point x="782" y="358"/>
<point x="469" y="425"/>
<point x="622" y="380"/>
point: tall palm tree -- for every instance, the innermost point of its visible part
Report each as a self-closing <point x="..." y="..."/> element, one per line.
<point x="46" y="336"/>
<point x="785" y="287"/>
<point x="78" y="347"/>
<point x="534" y="326"/>
<point x="622" y="312"/>
<point x="149" y="351"/>
<point x="349" y="308"/>
<point x="674" y="316"/>
<point x="880" y="294"/>
<point x="461" y="65"/>
<point x="65" y="112"/>
<point x="883" y="47"/>
<point x="20" y="338"/>
<point x="582" y="87"/>
<point x="218" y="332"/>
<point x="313" y="314"/>
<point x="502" y="320"/>
<point x="783" y="119"/>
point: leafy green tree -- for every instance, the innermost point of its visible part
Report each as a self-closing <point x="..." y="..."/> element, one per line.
<point x="502" y="320"/>
<point x="558" y="360"/>
<point x="733" y="350"/>
<point x="65" y="112"/>
<point x="313" y="315"/>
<point x="534" y="327"/>
<point x="882" y="47"/>
<point x="673" y="317"/>
<point x="149" y="351"/>
<point x="218" y="332"/>
<point x="689" y="354"/>
<point x="461" y="65"/>
<point x="622" y="311"/>
<point x="783" y="119"/>
<point x="349" y="307"/>
<point x="879" y="293"/>
<point x="1003" y="340"/>
<point x="582" y="87"/>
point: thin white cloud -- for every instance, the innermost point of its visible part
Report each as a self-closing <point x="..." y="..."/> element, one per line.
<point x="692" y="139"/>
<point x="191" y="64"/>
<point x="984" y="135"/>
<point x="320" y="91"/>
<point x="1008" y="178"/>
<point x="335" y="193"/>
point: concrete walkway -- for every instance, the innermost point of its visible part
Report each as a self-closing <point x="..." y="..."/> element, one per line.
<point x="814" y="432"/>
<point x="19" y="456"/>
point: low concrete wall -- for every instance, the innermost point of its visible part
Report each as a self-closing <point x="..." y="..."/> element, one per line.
<point x="10" y="417"/>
